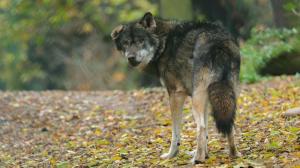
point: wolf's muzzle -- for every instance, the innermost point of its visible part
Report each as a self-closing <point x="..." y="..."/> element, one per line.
<point x="133" y="61"/>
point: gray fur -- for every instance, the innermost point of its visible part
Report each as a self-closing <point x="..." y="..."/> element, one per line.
<point x="194" y="59"/>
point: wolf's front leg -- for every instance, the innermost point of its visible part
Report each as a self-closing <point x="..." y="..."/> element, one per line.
<point x="176" y="104"/>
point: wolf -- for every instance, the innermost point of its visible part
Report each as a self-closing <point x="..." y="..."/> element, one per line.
<point x="196" y="59"/>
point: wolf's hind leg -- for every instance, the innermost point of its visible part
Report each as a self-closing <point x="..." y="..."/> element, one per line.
<point x="232" y="148"/>
<point x="176" y="104"/>
<point x="199" y="110"/>
<point x="207" y="111"/>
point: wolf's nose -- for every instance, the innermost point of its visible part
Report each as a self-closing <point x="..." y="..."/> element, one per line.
<point x="131" y="59"/>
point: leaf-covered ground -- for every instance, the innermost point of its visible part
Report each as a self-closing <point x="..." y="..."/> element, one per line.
<point x="131" y="129"/>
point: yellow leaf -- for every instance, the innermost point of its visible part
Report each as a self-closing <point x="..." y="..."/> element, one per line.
<point x="114" y="158"/>
<point x="98" y="132"/>
<point x="52" y="161"/>
<point x="101" y="142"/>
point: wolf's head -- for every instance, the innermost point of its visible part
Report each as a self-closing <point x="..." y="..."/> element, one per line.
<point x="136" y="40"/>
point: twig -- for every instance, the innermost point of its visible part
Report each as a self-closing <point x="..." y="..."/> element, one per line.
<point x="296" y="12"/>
<point x="292" y="112"/>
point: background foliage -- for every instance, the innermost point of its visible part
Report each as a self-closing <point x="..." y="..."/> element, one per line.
<point x="53" y="44"/>
<point x="264" y="45"/>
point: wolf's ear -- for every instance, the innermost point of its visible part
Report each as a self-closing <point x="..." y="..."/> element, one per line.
<point x="116" y="32"/>
<point x="148" y="21"/>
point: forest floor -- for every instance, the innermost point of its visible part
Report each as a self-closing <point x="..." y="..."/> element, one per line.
<point x="133" y="128"/>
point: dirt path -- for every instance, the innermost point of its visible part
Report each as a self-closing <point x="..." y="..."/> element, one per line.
<point x="131" y="129"/>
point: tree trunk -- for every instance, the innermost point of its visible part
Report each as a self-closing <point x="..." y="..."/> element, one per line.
<point x="278" y="13"/>
<point x="225" y="11"/>
<point x="176" y="9"/>
<point x="283" y="18"/>
<point x="285" y="63"/>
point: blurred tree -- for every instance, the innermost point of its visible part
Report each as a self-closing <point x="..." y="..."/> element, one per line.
<point x="172" y="10"/>
<point x="46" y="44"/>
<point x="225" y="11"/>
<point x="54" y="44"/>
<point x="278" y="13"/>
<point x="237" y="16"/>
<point x="286" y="13"/>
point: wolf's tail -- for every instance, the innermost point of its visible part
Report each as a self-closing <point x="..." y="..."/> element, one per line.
<point x="223" y="101"/>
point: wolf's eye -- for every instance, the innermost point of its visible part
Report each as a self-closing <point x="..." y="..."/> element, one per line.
<point x="140" y="41"/>
<point x="126" y="43"/>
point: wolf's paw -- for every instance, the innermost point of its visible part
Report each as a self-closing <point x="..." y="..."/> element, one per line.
<point x="235" y="155"/>
<point x="168" y="155"/>
<point x="192" y="153"/>
<point x="198" y="160"/>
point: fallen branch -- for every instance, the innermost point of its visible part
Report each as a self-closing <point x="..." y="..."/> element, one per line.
<point x="292" y="112"/>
